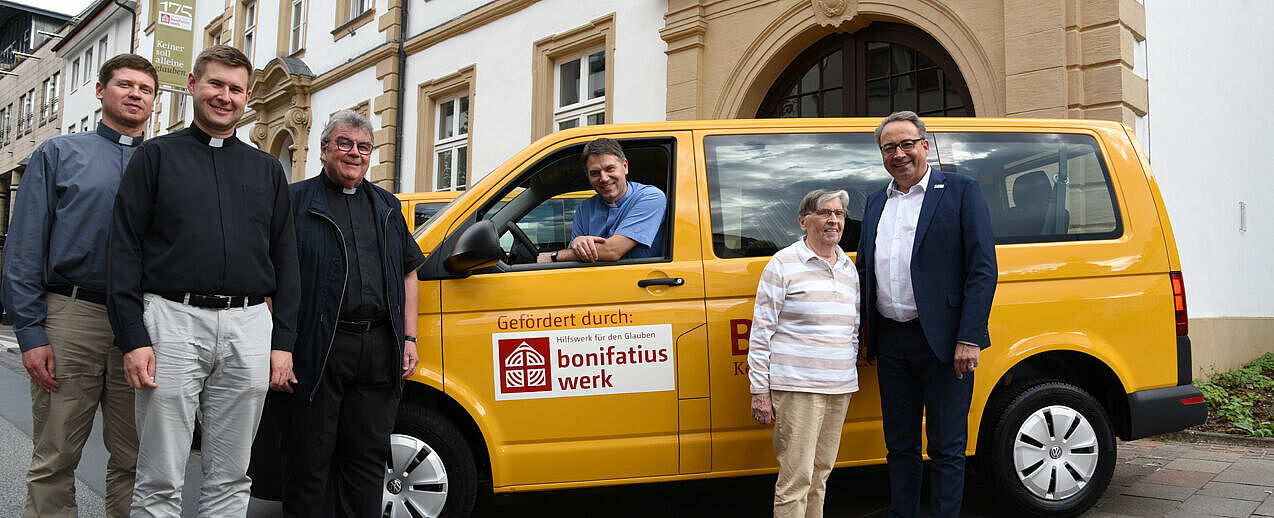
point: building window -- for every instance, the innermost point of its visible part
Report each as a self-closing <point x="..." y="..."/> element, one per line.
<point x="29" y="109"/>
<point x="357" y="7"/>
<point x="97" y="117"/>
<point x="101" y="49"/>
<point x="84" y="124"/>
<point x="212" y="31"/>
<point x="48" y="97"/>
<point x="52" y="97"/>
<point x="451" y="144"/>
<point x="444" y="146"/>
<point x="296" y="31"/>
<point x="352" y="14"/>
<point x="580" y="91"/>
<point x="75" y="74"/>
<point x="21" y="102"/>
<point x="571" y="72"/>
<point x="4" y="126"/>
<point x="249" y="28"/>
<point x="177" y="114"/>
<point x="874" y="72"/>
<point x="88" y="66"/>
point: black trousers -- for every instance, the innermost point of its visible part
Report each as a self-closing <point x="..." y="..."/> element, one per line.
<point x="915" y="383"/>
<point x="339" y="445"/>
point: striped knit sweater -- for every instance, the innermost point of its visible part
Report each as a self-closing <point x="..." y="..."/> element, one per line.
<point x="805" y="324"/>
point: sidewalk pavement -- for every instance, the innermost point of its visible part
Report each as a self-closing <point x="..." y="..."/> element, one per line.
<point x="1171" y="479"/>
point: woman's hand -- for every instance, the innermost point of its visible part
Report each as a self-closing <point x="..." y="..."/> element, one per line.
<point x="762" y="408"/>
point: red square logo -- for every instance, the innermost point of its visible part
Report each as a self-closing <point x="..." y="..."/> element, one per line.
<point x="525" y="366"/>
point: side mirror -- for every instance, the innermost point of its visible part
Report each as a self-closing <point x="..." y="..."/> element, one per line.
<point x="478" y="247"/>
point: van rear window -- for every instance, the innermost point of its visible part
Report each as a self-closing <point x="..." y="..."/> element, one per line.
<point x="1039" y="187"/>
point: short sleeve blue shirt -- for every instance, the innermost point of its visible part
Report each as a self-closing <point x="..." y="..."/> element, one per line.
<point x="638" y="215"/>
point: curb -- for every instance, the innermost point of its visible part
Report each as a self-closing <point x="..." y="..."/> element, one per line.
<point x="1217" y="438"/>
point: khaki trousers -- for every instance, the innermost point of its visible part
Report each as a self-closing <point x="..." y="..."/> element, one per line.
<point x="216" y="362"/>
<point x="807" y="430"/>
<point x="89" y="370"/>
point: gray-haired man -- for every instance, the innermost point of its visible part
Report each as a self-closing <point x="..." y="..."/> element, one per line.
<point x="357" y="329"/>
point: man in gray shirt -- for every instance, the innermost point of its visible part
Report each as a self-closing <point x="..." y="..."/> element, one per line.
<point x="54" y="285"/>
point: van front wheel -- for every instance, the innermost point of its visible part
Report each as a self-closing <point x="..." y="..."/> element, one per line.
<point x="1051" y="450"/>
<point x="431" y="470"/>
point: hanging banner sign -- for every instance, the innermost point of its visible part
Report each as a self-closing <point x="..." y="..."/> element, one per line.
<point x="174" y="41"/>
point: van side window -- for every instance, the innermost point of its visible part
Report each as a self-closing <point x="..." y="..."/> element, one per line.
<point x="1039" y="187"/>
<point x="426" y="210"/>
<point x="536" y="213"/>
<point x="755" y="183"/>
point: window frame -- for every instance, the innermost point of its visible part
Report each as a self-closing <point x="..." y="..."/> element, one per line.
<point x="429" y="94"/>
<point x="75" y="73"/>
<point x="454" y="143"/>
<point x="88" y="65"/>
<point x="248" y="28"/>
<point x="853" y="48"/>
<point x="102" y="48"/>
<point x="584" y="107"/>
<point x="599" y="34"/>
<point x="296" y="27"/>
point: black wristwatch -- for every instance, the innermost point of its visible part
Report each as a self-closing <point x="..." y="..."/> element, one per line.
<point x="410" y="338"/>
<point x="553" y="257"/>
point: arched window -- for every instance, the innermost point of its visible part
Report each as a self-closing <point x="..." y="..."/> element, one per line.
<point x="871" y="73"/>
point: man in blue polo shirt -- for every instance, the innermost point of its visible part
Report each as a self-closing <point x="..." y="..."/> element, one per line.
<point x="625" y="220"/>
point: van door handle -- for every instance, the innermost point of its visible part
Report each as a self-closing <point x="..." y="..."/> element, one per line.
<point x="662" y="281"/>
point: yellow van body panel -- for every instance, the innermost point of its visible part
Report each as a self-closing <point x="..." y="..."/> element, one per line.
<point x="1109" y="299"/>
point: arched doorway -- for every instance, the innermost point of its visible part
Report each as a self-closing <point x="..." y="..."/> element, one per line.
<point x="284" y="154"/>
<point x="881" y="69"/>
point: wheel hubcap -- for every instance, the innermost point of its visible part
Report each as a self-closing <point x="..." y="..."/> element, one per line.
<point x="1055" y="452"/>
<point x="415" y="479"/>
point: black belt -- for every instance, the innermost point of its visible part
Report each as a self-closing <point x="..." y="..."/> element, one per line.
<point x="214" y="301"/>
<point x="360" y="326"/>
<point x="77" y="292"/>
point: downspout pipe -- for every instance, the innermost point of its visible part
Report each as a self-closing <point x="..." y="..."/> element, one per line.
<point x="399" y="130"/>
<point x="132" y="25"/>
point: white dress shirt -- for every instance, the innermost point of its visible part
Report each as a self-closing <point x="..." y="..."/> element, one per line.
<point x="895" y="238"/>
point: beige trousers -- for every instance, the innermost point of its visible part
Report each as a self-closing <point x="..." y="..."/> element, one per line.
<point x="89" y="370"/>
<point x="807" y="430"/>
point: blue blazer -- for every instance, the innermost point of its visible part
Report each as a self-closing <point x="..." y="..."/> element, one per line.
<point x="953" y="270"/>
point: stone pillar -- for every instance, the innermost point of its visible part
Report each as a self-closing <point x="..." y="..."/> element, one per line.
<point x="684" y="30"/>
<point x="386" y="105"/>
<point x="1072" y="58"/>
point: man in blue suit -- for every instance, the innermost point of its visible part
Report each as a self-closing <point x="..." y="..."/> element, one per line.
<point x="926" y="260"/>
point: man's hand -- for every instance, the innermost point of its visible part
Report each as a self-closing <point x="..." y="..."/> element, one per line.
<point x="544" y="257"/>
<point x="139" y="368"/>
<point x="585" y="248"/>
<point x="281" y="376"/>
<point x="763" y="408"/>
<point x="409" y="358"/>
<point x="39" y="364"/>
<point x="966" y="359"/>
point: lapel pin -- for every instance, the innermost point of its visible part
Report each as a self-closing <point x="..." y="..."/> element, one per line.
<point x="939" y="185"/>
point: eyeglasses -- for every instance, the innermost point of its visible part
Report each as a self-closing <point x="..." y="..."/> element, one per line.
<point x="344" y="145"/>
<point x="906" y="145"/>
<point x="827" y="213"/>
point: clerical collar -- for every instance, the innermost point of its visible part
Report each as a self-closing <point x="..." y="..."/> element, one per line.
<point x="336" y="186"/>
<point x="211" y="141"/>
<point x="114" y="136"/>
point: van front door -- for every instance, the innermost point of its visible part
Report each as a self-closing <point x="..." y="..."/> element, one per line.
<point x="576" y="364"/>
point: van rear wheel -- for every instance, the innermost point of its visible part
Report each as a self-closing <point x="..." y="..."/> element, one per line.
<point x="431" y="471"/>
<point x="1051" y="451"/>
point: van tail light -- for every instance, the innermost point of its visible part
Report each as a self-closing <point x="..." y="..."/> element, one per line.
<point x="1179" y="303"/>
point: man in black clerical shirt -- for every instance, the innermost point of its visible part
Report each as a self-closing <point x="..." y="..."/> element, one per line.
<point x="356" y="339"/>
<point x="201" y="235"/>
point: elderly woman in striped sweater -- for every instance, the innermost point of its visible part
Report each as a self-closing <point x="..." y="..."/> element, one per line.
<point x="803" y="352"/>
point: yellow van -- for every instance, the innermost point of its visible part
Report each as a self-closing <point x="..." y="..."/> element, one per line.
<point x="564" y="375"/>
